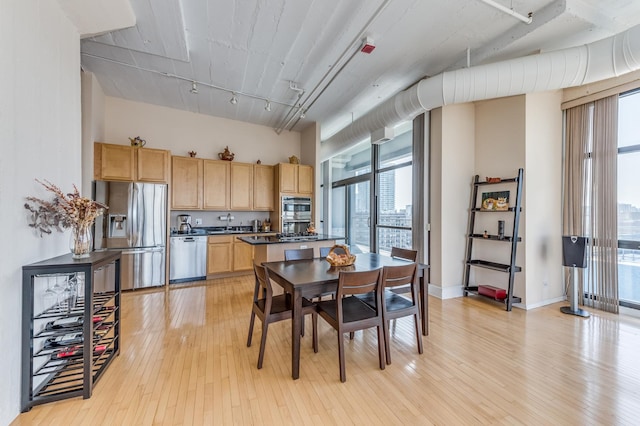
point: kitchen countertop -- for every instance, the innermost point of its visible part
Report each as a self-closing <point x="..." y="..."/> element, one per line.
<point x="273" y="239"/>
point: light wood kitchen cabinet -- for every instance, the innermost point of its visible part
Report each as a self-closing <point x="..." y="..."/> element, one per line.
<point x="295" y="178"/>
<point x="242" y="256"/>
<point x="219" y="254"/>
<point x="305" y="179"/>
<point x="126" y="163"/>
<point x="263" y="196"/>
<point x="153" y="165"/>
<point x="113" y="162"/>
<point x="216" y="185"/>
<point x="241" y="186"/>
<point x="186" y="183"/>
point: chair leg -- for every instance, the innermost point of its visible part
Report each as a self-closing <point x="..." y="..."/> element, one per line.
<point x="343" y="374"/>
<point x="351" y="335"/>
<point x="302" y="327"/>
<point x="314" y="320"/>
<point x="387" y="338"/>
<point x="418" y="332"/>
<point x="263" y="342"/>
<point x="253" y="319"/>
<point x="381" y="341"/>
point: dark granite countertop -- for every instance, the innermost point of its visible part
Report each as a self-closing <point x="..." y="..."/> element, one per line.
<point x="273" y="239"/>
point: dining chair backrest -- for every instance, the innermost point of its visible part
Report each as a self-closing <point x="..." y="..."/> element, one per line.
<point x="358" y="282"/>
<point x="406" y="254"/>
<point x="262" y="281"/>
<point x="324" y="251"/>
<point x="399" y="276"/>
<point x="298" y="254"/>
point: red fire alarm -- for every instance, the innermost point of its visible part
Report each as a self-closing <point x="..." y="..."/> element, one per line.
<point x="367" y="45"/>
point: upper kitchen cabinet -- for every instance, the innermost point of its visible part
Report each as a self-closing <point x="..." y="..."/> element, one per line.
<point x="263" y="187"/>
<point x="186" y="183"/>
<point x="295" y="178"/>
<point x="216" y="187"/>
<point x="126" y="163"/>
<point x="241" y="186"/>
<point x="153" y="165"/>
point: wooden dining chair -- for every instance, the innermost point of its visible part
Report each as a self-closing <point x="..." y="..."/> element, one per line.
<point x="400" y="253"/>
<point x="348" y="313"/>
<point x="324" y="251"/>
<point x="270" y="308"/>
<point x="298" y="254"/>
<point x="398" y="305"/>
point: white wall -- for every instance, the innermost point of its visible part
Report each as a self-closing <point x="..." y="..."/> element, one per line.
<point x="40" y="138"/>
<point x="500" y="152"/>
<point x="543" y="204"/>
<point x="452" y="160"/>
<point x="93" y="103"/>
<point x="183" y="131"/>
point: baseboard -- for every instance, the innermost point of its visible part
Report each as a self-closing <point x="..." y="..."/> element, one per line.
<point x="446" y="292"/>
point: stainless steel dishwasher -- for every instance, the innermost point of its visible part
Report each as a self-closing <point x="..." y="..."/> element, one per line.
<point x="188" y="258"/>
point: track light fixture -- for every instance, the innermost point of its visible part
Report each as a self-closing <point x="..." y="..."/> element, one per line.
<point x="267" y="106"/>
<point x="234" y="98"/>
<point x="194" y="88"/>
<point x="302" y="114"/>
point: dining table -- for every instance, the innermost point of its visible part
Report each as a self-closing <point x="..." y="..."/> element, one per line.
<point x="312" y="277"/>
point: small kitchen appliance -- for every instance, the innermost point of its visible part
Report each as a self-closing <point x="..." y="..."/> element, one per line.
<point x="184" y="223"/>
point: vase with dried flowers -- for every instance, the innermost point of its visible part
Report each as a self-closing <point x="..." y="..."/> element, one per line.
<point x="66" y="211"/>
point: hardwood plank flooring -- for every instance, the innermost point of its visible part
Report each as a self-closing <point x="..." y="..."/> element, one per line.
<point x="184" y="361"/>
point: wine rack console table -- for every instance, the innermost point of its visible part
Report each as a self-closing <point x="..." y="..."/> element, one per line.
<point x="70" y="325"/>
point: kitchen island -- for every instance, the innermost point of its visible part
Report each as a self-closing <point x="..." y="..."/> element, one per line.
<point x="271" y="248"/>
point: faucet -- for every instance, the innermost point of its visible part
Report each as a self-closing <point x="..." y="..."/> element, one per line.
<point x="228" y="221"/>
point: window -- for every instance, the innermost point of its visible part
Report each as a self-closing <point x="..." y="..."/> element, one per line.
<point x="629" y="199"/>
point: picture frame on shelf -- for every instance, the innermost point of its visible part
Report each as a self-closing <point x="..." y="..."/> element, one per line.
<point x="495" y="201"/>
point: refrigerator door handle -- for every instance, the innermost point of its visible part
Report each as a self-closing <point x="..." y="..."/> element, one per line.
<point x="130" y="215"/>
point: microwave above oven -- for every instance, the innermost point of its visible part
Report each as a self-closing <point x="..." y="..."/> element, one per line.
<point x="296" y="208"/>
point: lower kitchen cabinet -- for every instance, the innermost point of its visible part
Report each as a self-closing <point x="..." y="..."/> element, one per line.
<point x="226" y="254"/>
<point x="242" y="256"/>
<point x="219" y="254"/>
<point x="70" y="325"/>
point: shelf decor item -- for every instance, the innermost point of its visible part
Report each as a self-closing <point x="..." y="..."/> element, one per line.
<point x="344" y="259"/>
<point x="137" y="142"/>
<point x="226" y="154"/>
<point x="294" y="160"/>
<point x="66" y="211"/>
<point x="192" y="154"/>
<point x="498" y="201"/>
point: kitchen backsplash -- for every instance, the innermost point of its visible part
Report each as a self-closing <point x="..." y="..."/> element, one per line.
<point x="212" y="218"/>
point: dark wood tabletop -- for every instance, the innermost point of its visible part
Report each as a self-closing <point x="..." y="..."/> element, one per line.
<point x="309" y="278"/>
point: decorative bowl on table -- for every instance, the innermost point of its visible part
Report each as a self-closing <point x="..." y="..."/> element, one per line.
<point x="342" y="259"/>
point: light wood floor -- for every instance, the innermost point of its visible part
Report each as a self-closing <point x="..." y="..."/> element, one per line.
<point x="184" y="360"/>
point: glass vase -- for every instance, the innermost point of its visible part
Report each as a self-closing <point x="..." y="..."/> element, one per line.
<point x="81" y="242"/>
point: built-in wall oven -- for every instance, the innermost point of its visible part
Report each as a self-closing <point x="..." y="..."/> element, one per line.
<point x="296" y="214"/>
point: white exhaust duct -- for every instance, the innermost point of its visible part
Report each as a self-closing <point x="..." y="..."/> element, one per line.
<point x="576" y="66"/>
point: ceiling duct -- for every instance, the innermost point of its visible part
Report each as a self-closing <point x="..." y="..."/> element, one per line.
<point x="381" y="136"/>
<point x="576" y="66"/>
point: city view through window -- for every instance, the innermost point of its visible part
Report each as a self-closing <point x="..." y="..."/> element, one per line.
<point x="352" y="192"/>
<point x="629" y="199"/>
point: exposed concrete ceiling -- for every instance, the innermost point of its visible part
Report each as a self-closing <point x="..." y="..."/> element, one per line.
<point x="265" y="49"/>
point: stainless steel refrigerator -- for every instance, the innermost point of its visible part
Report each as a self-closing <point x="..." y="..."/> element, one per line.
<point x="136" y="223"/>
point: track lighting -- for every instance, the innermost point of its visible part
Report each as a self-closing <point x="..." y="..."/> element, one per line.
<point x="302" y="114"/>
<point x="267" y="106"/>
<point x="194" y="88"/>
<point x="234" y="99"/>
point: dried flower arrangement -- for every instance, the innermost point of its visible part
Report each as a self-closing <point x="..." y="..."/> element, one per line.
<point x="64" y="211"/>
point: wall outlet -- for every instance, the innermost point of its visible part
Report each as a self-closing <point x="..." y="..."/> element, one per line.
<point x="198" y="221"/>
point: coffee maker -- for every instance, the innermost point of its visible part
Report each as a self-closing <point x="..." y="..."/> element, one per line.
<point x="184" y="223"/>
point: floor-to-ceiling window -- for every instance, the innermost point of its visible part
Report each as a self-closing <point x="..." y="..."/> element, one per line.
<point x="371" y="207"/>
<point x="629" y="199"/>
<point x="394" y="185"/>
